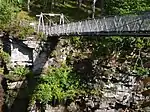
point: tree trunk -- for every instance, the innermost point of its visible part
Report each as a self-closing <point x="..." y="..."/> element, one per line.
<point x="28" y="5"/>
<point x="93" y="8"/>
<point x="79" y="3"/>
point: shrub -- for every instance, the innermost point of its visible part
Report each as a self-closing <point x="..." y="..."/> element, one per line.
<point x="8" y="12"/>
<point x="14" y="21"/>
<point x="140" y="71"/>
<point x="57" y="84"/>
<point x="25" y="31"/>
<point x="4" y="56"/>
<point x="20" y="71"/>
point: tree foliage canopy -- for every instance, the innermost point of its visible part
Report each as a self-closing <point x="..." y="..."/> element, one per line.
<point x="126" y="6"/>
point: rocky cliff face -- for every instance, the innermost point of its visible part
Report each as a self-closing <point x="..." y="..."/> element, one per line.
<point x="116" y="88"/>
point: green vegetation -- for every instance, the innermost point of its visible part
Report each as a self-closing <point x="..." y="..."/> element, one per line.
<point x="8" y="12"/>
<point x="73" y="10"/>
<point x="5" y="59"/>
<point x="127" y="50"/>
<point x="57" y="84"/>
<point x="126" y="6"/>
<point x="4" y="56"/>
<point x="13" y="20"/>
<point x="20" y="71"/>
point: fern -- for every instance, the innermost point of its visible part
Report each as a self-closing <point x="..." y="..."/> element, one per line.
<point x="58" y="83"/>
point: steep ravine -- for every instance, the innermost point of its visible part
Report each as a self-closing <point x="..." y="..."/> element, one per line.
<point x="115" y="88"/>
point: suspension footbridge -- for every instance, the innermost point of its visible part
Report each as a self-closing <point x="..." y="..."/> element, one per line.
<point x="125" y="25"/>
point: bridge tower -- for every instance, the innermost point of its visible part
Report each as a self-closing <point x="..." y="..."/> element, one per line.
<point x="46" y="20"/>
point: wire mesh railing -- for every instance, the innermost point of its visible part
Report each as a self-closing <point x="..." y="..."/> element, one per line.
<point x="115" y="24"/>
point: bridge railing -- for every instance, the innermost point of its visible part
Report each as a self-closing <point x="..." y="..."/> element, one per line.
<point x="127" y="23"/>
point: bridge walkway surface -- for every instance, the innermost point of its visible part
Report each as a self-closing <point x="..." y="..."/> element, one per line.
<point x="125" y="25"/>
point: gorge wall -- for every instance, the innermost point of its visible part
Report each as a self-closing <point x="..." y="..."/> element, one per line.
<point x="116" y="88"/>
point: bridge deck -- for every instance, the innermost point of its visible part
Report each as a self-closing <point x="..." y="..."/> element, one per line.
<point x="128" y="25"/>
